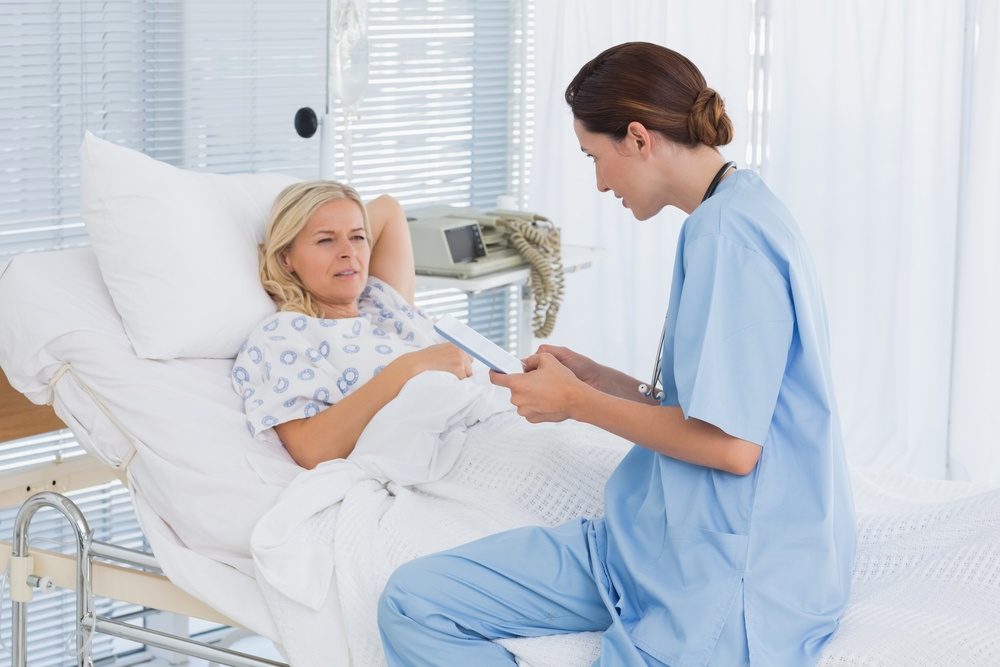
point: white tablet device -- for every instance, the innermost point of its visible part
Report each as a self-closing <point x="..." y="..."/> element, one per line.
<point x="478" y="345"/>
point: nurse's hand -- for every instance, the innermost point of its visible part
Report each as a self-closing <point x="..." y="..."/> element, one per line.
<point x="600" y="377"/>
<point x="583" y="368"/>
<point x="547" y="391"/>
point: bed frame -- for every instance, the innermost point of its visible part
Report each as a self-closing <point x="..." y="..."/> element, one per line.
<point x="98" y="568"/>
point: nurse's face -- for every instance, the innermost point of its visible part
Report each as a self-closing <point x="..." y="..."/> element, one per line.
<point x="623" y="169"/>
<point x="330" y="256"/>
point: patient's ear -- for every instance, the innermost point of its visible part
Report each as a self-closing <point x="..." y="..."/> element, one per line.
<point x="287" y="265"/>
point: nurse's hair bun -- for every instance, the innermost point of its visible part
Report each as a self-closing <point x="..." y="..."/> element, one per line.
<point x="708" y="122"/>
<point x="652" y="85"/>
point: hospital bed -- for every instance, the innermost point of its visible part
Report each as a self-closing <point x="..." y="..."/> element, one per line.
<point x="152" y="404"/>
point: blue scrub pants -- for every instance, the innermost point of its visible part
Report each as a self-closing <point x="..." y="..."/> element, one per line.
<point x="444" y="608"/>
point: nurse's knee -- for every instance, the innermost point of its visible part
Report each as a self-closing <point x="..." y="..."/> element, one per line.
<point x="407" y="592"/>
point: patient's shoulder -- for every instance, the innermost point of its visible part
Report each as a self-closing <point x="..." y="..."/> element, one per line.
<point x="284" y="327"/>
<point x="382" y="298"/>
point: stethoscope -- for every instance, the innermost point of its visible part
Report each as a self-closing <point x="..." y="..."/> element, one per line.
<point x="650" y="390"/>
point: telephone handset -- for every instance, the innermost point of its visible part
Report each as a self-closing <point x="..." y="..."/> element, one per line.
<point x="465" y="243"/>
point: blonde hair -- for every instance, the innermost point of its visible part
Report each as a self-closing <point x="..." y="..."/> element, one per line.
<point x="290" y="212"/>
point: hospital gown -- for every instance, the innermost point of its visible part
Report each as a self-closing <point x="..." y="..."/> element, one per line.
<point x="690" y="565"/>
<point x="293" y="366"/>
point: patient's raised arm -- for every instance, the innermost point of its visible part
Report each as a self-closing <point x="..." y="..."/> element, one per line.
<point x="392" y="250"/>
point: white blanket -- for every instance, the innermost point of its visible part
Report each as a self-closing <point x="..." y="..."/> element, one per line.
<point x="444" y="463"/>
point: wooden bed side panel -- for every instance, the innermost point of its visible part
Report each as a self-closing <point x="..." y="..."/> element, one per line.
<point x="20" y="418"/>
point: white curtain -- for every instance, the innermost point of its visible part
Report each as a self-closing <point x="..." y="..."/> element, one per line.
<point x="865" y="118"/>
<point x="975" y="398"/>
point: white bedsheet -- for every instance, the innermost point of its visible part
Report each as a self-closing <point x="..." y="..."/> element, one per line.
<point x="926" y="584"/>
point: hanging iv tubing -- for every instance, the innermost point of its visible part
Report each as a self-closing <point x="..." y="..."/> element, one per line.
<point x="346" y="81"/>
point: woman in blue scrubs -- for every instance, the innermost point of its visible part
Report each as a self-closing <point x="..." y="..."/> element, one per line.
<point x="728" y="535"/>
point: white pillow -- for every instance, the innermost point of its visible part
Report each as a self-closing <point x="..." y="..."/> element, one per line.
<point x="177" y="248"/>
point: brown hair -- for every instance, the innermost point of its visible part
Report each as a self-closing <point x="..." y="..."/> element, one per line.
<point x="653" y="85"/>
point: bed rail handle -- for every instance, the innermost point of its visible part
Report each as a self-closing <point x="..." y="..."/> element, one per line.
<point x="85" y="576"/>
<point x="19" y="551"/>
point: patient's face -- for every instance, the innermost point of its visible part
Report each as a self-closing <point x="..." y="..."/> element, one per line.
<point x="330" y="256"/>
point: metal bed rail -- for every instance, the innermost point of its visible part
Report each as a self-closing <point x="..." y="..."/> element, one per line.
<point x="23" y="581"/>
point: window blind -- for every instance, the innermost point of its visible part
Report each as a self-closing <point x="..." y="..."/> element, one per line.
<point x="215" y="85"/>
<point x="443" y="119"/>
<point x="210" y="86"/>
<point x="494" y="313"/>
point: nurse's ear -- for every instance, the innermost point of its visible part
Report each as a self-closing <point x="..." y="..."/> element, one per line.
<point x="638" y="138"/>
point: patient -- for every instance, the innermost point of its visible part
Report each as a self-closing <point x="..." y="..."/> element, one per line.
<point x="347" y="336"/>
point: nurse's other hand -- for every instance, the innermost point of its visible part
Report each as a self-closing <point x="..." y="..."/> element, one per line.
<point x="441" y="357"/>
<point x="547" y="391"/>
<point x="582" y="367"/>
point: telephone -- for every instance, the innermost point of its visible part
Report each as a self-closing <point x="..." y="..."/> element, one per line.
<point x="466" y="243"/>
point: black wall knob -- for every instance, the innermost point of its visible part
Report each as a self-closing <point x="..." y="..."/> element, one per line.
<point x="306" y="122"/>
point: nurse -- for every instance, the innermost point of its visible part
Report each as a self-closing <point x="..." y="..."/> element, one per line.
<point x="728" y="536"/>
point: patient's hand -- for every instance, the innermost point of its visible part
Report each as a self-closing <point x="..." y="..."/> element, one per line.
<point x="441" y="357"/>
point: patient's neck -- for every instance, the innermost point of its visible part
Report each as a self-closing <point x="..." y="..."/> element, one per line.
<point x="338" y="311"/>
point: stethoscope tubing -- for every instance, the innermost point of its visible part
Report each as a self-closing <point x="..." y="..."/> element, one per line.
<point x="647" y="390"/>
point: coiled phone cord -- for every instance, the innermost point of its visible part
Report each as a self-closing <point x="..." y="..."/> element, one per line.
<point x="539" y="245"/>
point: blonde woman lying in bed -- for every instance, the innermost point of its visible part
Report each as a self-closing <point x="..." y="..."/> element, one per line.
<point x="346" y="337"/>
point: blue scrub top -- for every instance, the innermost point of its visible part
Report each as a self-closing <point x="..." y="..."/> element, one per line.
<point x="690" y="549"/>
